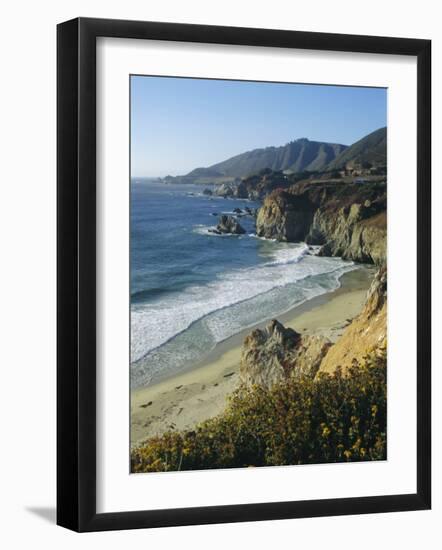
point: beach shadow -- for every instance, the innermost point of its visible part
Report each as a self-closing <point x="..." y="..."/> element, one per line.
<point x="46" y="513"/>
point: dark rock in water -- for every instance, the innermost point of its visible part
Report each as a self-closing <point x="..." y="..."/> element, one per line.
<point x="247" y="210"/>
<point x="228" y="224"/>
<point x="207" y="192"/>
<point x="326" y="249"/>
<point x="215" y="231"/>
<point x="237" y="210"/>
<point x="277" y="353"/>
<point x="214" y="214"/>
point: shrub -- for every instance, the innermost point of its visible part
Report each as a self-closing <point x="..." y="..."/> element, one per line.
<point x="334" y="418"/>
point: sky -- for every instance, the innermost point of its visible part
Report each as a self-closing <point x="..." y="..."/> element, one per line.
<point x="178" y="124"/>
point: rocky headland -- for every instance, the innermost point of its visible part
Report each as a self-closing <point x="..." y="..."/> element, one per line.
<point x="348" y="219"/>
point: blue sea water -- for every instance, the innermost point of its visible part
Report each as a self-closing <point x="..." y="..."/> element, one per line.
<point x="191" y="289"/>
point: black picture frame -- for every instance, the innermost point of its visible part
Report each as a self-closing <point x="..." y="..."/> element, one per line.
<point x="76" y="274"/>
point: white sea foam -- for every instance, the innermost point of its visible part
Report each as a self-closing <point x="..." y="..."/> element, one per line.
<point x="157" y="322"/>
<point x="255" y="236"/>
<point x="208" y="230"/>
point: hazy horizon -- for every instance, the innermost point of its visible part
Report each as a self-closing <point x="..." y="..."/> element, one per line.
<point x="178" y="124"/>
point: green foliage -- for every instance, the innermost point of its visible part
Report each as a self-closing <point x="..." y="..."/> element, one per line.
<point x="335" y="418"/>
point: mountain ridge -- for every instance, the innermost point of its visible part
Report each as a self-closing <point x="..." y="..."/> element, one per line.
<point x="295" y="156"/>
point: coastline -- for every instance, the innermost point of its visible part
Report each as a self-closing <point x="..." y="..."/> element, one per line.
<point x="183" y="400"/>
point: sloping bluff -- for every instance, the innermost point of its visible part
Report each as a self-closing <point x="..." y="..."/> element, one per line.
<point x="366" y="334"/>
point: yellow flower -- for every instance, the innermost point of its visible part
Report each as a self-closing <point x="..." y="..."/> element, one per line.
<point x="325" y="431"/>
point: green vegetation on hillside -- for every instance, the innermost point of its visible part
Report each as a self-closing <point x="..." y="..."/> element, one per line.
<point x="296" y="156"/>
<point x="334" y="418"/>
<point x="298" y="159"/>
<point x="368" y="151"/>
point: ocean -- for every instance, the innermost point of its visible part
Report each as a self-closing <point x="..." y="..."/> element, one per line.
<point x="191" y="289"/>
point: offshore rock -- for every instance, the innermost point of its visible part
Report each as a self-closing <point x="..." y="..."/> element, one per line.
<point x="228" y="224"/>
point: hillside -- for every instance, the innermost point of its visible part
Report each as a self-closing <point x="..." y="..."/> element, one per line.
<point x="370" y="149"/>
<point x="301" y="155"/>
<point x="367" y="334"/>
<point x="296" y="156"/>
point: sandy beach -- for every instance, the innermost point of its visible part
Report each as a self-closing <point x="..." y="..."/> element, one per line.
<point x="195" y="395"/>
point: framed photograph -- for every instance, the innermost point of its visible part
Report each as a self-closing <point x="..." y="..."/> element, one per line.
<point x="243" y="274"/>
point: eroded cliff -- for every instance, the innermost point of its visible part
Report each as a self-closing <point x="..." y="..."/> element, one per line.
<point x="348" y="220"/>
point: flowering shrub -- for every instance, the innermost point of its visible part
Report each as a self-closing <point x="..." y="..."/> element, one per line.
<point x="334" y="418"/>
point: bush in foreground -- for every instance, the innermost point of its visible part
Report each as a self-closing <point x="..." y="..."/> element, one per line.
<point x="335" y="418"/>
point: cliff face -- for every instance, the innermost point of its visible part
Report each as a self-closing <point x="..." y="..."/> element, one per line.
<point x="352" y="233"/>
<point x="349" y="220"/>
<point x="272" y="355"/>
<point x="366" y="334"/>
<point x="284" y="217"/>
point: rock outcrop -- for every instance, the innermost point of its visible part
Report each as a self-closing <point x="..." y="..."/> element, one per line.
<point x="284" y="217"/>
<point x="366" y="334"/>
<point x="348" y="219"/>
<point x="228" y="225"/>
<point x="258" y="186"/>
<point x="354" y="233"/>
<point x="225" y="190"/>
<point x="276" y="353"/>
